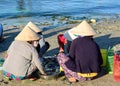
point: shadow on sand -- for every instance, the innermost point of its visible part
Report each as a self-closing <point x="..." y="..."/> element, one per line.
<point x="8" y="38"/>
<point x="105" y="41"/>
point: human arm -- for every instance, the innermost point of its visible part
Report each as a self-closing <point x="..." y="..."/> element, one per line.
<point x="38" y="63"/>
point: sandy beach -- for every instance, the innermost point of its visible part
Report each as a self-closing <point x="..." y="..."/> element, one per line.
<point x="108" y="34"/>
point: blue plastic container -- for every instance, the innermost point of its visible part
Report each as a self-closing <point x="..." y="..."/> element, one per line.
<point x="1" y="30"/>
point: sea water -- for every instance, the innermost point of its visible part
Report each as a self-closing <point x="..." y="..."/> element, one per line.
<point x="33" y="9"/>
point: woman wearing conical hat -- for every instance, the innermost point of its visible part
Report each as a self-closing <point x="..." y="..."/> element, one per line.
<point x="43" y="45"/>
<point x="84" y="56"/>
<point x="23" y="58"/>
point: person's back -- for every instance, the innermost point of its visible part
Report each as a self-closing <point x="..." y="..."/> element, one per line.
<point x="19" y="53"/>
<point x="85" y="51"/>
<point x="86" y="54"/>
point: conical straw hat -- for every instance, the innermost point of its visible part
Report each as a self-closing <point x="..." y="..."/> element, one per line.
<point x="27" y="34"/>
<point x="34" y="27"/>
<point x="83" y="29"/>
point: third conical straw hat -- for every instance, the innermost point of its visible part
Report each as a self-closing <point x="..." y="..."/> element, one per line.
<point x="34" y="27"/>
<point x="27" y="34"/>
<point x="83" y="29"/>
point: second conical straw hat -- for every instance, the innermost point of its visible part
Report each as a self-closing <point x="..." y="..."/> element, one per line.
<point x="83" y="29"/>
<point x="34" y="27"/>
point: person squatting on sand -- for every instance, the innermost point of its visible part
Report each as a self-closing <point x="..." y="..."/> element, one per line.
<point x="43" y="46"/>
<point x="84" y="59"/>
<point x="23" y="59"/>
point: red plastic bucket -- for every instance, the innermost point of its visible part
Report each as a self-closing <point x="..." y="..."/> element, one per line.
<point x="116" y="71"/>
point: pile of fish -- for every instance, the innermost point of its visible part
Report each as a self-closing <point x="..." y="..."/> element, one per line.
<point x="50" y="64"/>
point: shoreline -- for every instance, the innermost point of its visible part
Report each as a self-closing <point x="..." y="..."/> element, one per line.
<point x="54" y="19"/>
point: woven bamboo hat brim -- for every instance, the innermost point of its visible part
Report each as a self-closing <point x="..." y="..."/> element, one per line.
<point x="34" y="27"/>
<point x="27" y="34"/>
<point x="83" y="29"/>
